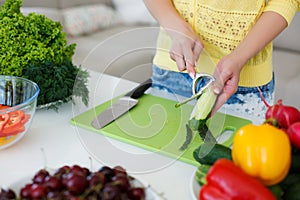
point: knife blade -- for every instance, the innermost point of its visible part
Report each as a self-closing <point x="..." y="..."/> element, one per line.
<point x="121" y="106"/>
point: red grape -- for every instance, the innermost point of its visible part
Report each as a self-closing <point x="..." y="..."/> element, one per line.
<point x="96" y="178"/>
<point x="62" y="170"/>
<point x="53" y="183"/>
<point x="53" y="195"/>
<point x="7" y="194"/>
<point x="122" y="181"/>
<point x="137" y="193"/>
<point x="110" y="192"/>
<point x="76" y="183"/>
<point x="119" y="169"/>
<point x="25" y="191"/>
<point x="69" y="196"/>
<point x="78" y="169"/>
<point x="40" y="176"/>
<point x="37" y="191"/>
<point x="108" y="172"/>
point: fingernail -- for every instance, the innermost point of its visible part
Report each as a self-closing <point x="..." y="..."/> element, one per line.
<point x="192" y="75"/>
<point x="217" y="90"/>
<point x="181" y="68"/>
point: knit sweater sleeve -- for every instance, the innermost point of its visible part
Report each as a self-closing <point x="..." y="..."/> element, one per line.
<point x="286" y="8"/>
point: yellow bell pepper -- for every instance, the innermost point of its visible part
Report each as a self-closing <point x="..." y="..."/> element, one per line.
<point x="262" y="151"/>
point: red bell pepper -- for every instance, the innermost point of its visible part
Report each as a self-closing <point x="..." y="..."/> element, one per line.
<point x="226" y="181"/>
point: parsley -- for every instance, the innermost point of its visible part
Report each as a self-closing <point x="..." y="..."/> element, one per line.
<point x="66" y="81"/>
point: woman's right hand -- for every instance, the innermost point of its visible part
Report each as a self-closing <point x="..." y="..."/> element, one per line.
<point x="186" y="44"/>
<point x="186" y="48"/>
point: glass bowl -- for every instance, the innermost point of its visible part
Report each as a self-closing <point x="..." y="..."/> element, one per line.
<point x="18" y="99"/>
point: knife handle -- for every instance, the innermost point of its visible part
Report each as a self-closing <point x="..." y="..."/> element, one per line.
<point x="140" y="89"/>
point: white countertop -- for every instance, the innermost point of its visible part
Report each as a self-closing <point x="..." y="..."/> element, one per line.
<point x="53" y="141"/>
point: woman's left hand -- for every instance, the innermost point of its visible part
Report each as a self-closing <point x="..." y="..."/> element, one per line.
<point x="228" y="69"/>
<point x="227" y="74"/>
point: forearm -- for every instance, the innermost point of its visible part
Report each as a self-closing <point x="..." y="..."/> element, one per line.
<point x="268" y="26"/>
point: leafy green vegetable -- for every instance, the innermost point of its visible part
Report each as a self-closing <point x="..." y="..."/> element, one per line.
<point x="63" y="82"/>
<point x="35" y="47"/>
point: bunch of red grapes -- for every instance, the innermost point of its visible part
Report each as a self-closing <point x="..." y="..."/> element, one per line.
<point x="78" y="183"/>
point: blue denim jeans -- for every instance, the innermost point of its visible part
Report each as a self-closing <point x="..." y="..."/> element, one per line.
<point x="245" y="102"/>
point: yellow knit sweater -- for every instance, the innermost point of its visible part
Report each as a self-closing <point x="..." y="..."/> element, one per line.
<point x="221" y="25"/>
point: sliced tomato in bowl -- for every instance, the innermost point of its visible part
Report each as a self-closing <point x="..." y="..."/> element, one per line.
<point x="3" y="120"/>
<point x="13" y="123"/>
<point x="3" y="106"/>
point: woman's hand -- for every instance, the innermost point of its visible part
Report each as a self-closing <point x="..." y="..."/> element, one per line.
<point x="228" y="69"/>
<point x="186" y="48"/>
<point x="227" y="74"/>
<point x="186" y="44"/>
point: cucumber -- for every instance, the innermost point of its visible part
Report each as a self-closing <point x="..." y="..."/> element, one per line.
<point x="293" y="192"/>
<point x="295" y="165"/>
<point x="204" y="104"/>
<point x="201" y="113"/>
<point x="276" y="190"/>
<point x="202" y="109"/>
<point x="199" y="116"/>
<point x="207" y="155"/>
<point x="291" y="179"/>
<point x="201" y="174"/>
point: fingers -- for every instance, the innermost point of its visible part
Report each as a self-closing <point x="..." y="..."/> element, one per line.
<point x="179" y="59"/>
<point x="189" y="61"/>
<point x="190" y="67"/>
<point x="219" y="81"/>
<point x="224" y="92"/>
<point x="186" y="56"/>
<point x="198" y="46"/>
<point x="197" y="49"/>
<point x="222" y="98"/>
<point x="218" y="90"/>
<point x="226" y="83"/>
<point x="184" y="62"/>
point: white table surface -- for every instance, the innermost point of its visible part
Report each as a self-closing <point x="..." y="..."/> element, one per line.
<point x="53" y="141"/>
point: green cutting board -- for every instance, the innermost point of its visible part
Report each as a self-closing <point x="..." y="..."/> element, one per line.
<point x="156" y="125"/>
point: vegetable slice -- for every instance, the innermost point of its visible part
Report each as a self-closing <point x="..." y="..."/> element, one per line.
<point x="3" y="120"/>
<point x="13" y="123"/>
<point x="15" y="119"/>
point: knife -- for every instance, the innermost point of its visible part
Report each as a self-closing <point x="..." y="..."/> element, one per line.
<point x="123" y="105"/>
